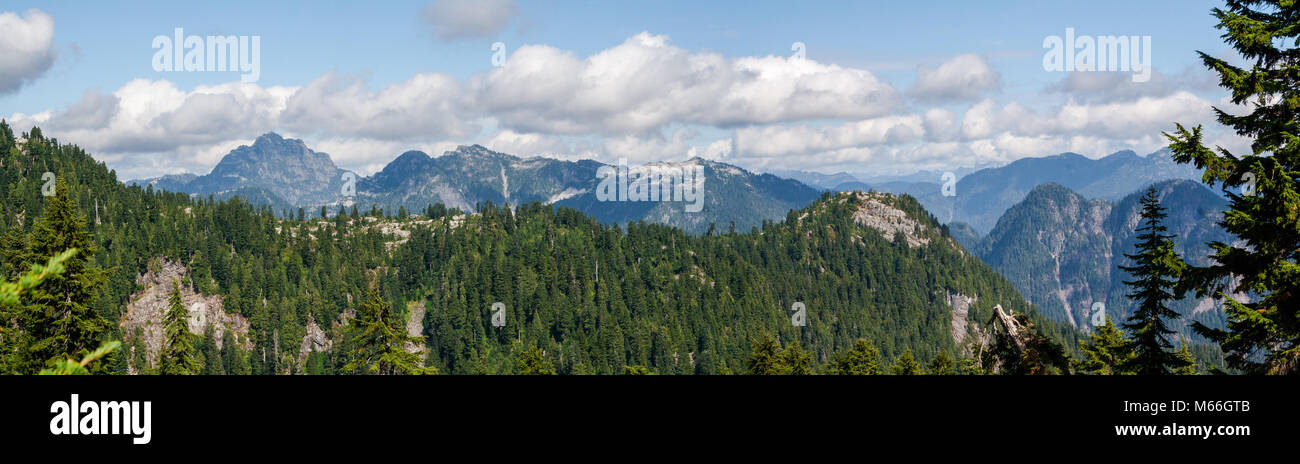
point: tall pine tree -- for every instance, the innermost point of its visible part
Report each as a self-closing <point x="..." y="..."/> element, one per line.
<point x="1263" y="333"/>
<point x="863" y="359"/>
<point x="179" y="357"/>
<point x="379" y="340"/>
<point x="59" y="314"/>
<point x="1154" y="270"/>
<point x="1107" y="351"/>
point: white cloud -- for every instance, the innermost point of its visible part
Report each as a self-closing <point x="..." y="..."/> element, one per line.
<point x="718" y="150"/>
<point x="775" y="141"/>
<point x="469" y="19"/>
<point x="26" y="48"/>
<point x="1109" y="87"/>
<point x="940" y="125"/>
<point x="424" y="106"/>
<point x="639" y="149"/>
<point x="532" y="144"/>
<point x="643" y="99"/>
<point x="964" y="77"/>
<point x="645" y="84"/>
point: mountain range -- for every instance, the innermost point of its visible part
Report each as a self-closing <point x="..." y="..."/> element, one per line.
<point x="979" y="198"/>
<point x="286" y="174"/>
<point x="1057" y="227"/>
<point x="1063" y="251"/>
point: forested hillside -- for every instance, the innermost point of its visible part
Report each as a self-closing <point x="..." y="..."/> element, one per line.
<point x="580" y="296"/>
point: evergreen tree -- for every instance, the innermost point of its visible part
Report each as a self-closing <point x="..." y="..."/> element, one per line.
<point x="1154" y="270"/>
<point x="766" y="357"/>
<point x="232" y="356"/>
<point x="942" y="364"/>
<point x="179" y="357"/>
<point x="863" y="359"/>
<point x="533" y="361"/>
<point x="796" y="360"/>
<point x="1107" y="351"/>
<point x="1186" y="362"/>
<point x="906" y="364"/>
<point x="60" y="315"/>
<point x="379" y="340"/>
<point x="212" y="363"/>
<point x="14" y="341"/>
<point x="1262" y="335"/>
<point x="637" y="370"/>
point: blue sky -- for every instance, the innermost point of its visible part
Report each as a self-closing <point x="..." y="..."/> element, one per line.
<point x="319" y="59"/>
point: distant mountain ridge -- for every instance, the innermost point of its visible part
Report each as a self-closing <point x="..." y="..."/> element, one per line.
<point x="1062" y="250"/>
<point x="286" y="174"/>
<point x="983" y="196"/>
<point x="282" y="173"/>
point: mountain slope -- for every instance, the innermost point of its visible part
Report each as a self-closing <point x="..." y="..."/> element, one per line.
<point x="1063" y="251"/>
<point x="983" y="196"/>
<point x="594" y="297"/>
<point x="282" y="173"/>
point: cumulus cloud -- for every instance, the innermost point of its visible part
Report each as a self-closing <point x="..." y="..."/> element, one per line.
<point x="469" y="19"/>
<point x="964" y="77"/>
<point x="424" y="106"/>
<point x="645" y="83"/>
<point x="26" y="48"/>
<point x="718" y="150"/>
<point x="776" y="141"/>
<point x="1119" y="120"/>
<point x="1107" y="87"/>
<point x="650" y="147"/>
<point x="536" y="144"/>
<point x="643" y="99"/>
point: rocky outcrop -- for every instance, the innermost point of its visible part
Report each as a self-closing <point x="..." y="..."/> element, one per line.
<point x="143" y="322"/>
<point x="961" y="306"/>
<point x="890" y="221"/>
<point x="315" y="341"/>
<point x="415" y="328"/>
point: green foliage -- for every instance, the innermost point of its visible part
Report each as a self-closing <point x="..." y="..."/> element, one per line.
<point x="74" y="367"/>
<point x="1262" y="334"/>
<point x="597" y="297"/>
<point x="10" y="291"/>
<point x="59" y="315"/>
<point x="379" y="341"/>
<point x="637" y="370"/>
<point x="863" y="359"/>
<point x="906" y="365"/>
<point x="1186" y="361"/>
<point x="1107" y="352"/>
<point x="179" y="357"/>
<point x="942" y="364"/>
<point x="1155" y="270"/>
<point x="533" y="361"/>
<point x="769" y="358"/>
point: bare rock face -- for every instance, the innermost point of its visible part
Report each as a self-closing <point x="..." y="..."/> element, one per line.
<point x="317" y="340"/>
<point x="144" y="313"/>
<point x="314" y="341"/>
<point x="415" y="328"/>
<point x="960" y="305"/>
<point x="888" y="220"/>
